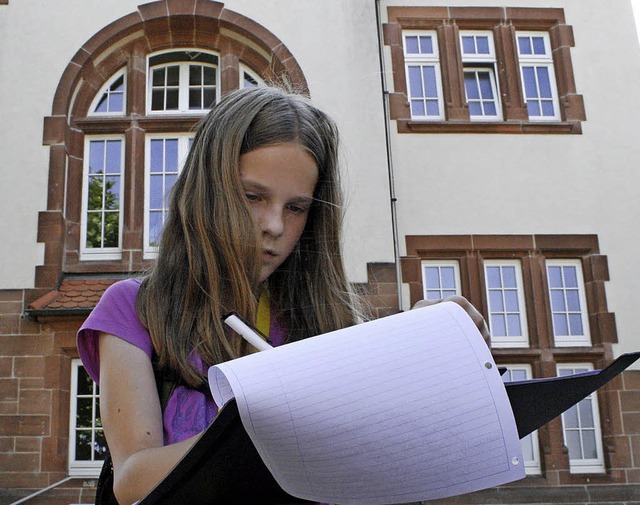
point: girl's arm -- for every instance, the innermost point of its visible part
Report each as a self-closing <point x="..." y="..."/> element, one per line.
<point x="132" y="420"/>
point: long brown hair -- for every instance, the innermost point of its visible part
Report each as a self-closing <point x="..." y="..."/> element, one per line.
<point x="208" y="260"/>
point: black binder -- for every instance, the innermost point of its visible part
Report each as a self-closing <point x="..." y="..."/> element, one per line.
<point x="224" y="467"/>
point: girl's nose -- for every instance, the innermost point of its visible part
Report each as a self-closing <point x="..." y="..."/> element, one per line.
<point x="272" y="221"/>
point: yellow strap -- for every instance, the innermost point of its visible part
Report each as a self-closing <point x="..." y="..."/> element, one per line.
<point x="264" y="313"/>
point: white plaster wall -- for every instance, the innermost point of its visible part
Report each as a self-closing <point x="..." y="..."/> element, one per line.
<point x="546" y="184"/>
<point x="38" y="38"/>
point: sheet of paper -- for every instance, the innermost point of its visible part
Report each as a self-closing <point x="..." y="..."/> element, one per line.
<point x="405" y="408"/>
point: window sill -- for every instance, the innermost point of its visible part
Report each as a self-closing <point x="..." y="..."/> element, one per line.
<point x="502" y="127"/>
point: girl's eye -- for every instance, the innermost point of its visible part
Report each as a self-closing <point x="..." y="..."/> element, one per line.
<point x="252" y="197"/>
<point x="297" y="209"/>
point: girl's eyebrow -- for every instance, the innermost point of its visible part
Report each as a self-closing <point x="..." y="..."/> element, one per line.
<point x="249" y="184"/>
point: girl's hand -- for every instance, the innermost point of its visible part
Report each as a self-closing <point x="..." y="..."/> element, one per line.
<point x="473" y="313"/>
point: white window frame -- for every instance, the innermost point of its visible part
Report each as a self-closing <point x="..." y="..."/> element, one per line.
<point x="183" y="81"/>
<point x="102" y="253"/>
<point x="518" y="341"/>
<point x="591" y="465"/>
<point x="439" y="264"/>
<point x="422" y="60"/>
<point x="482" y="63"/>
<point x="106" y="91"/>
<point x="532" y="466"/>
<point x="151" y="252"/>
<point x="80" y="468"/>
<point x="538" y="61"/>
<point x="583" y="340"/>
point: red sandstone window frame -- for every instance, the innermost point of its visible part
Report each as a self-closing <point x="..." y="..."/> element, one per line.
<point x="503" y="23"/>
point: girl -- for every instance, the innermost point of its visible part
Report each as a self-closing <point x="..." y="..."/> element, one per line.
<point x="253" y="227"/>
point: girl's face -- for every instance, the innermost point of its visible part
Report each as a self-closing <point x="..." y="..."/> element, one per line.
<point x="279" y="181"/>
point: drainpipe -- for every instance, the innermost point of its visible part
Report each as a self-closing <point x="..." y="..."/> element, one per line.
<point x="33" y="495"/>
<point x="392" y="191"/>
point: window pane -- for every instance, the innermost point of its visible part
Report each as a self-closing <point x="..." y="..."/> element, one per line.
<point x="530" y="86"/>
<point x="116" y="103"/>
<point x="195" y="99"/>
<point x="524" y="44"/>
<point x="486" y="91"/>
<point x="433" y="109"/>
<point x="156" y="155"/>
<point x="156" y="192"/>
<point x="514" y="327"/>
<point x="158" y="76"/>
<point x="113" y="157"/>
<point x="433" y="294"/>
<point x="157" y="99"/>
<point x="471" y="86"/>
<point x="493" y="277"/>
<point x="509" y="277"/>
<point x="95" y="200"/>
<point x="83" y="446"/>
<point x="426" y="45"/>
<point x="495" y="299"/>
<point x="589" y="444"/>
<point x="411" y="44"/>
<point x="432" y="277"/>
<point x="102" y="104"/>
<point x="100" y="446"/>
<point x="511" y="301"/>
<point x="446" y="293"/>
<point x="547" y="108"/>
<point x="448" y="277"/>
<point x="195" y="75"/>
<point x="94" y="230"/>
<point x="544" y="82"/>
<point x="538" y="45"/>
<point x="210" y="76"/>
<point x="533" y="108"/>
<point x="85" y="383"/>
<point x="155" y="227"/>
<point x="498" y="325"/>
<point x="555" y="277"/>
<point x="112" y="193"/>
<point x="209" y="98"/>
<point x="490" y="109"/>
<point x="483" y="44"/>
<point x="429" y="75"/>
<point x="96" y="157"/>
<point x="573" y="444"/>
<point x="468" y="45"/>
<point x="575" y="324"/>
<point x="475" y="109"/>
<point x="570" y="418"/>
<point x="586" y="413"/>
<point x="573" y="300"/>
<point x="560" y="326"/>
<point x="557" y="301"/>
<point x="415" y="82"/>
<point x="173" y="75"/>
<point x="172" y="99"/>
<point x="111" y="229"/>
<point x="417" y="108"/>
<point x="84" y="412"/>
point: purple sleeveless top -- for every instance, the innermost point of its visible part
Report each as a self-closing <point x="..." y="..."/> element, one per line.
<point x="188" y="411"/>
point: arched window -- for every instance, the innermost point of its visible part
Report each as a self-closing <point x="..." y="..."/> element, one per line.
<point x="116" y="152"/>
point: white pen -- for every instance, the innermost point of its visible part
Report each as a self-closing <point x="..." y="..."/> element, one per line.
<point x="236" y="323"/>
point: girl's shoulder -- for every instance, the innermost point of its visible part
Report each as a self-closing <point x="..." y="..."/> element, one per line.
<point x="115" y="314"/>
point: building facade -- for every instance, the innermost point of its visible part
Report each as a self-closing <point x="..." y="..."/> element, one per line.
<point x="488" y="151"/>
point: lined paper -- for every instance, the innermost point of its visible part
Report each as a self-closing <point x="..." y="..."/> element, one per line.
<point x="409" y="407"/>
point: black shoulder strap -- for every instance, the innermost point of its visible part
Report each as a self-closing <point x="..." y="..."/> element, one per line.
<point x="166" y="382"/>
